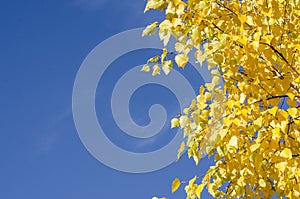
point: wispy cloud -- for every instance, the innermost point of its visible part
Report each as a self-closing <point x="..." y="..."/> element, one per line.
<point x="46" y="143"/>
<point x="49" y="137"/>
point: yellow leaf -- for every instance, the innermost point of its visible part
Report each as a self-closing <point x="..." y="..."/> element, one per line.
<point x="175" y="184"/>
<point x="258" y="121"/>
<point x="233" y="142"/>
<point x="242" y="18"/>
<point x="242" y="39"/>
<point x="179" y="47"/>
<point x="218" y="58"/>
<point x="297" y="12"/>
<point x="291" y="96"/>
<point x="273" y="110"/>
<point x="283" y="126"/>
<point x="250" y="21"/>
<point x="170" y="10"/>
<point x="180" y="9"/>
<point x="153" y="59"/>
<point x="262" y="183"/>
<point x="282" y="114"/>
<point x="184" y="121"/>
<point x="292" y="112"/>
<point x="286" y="153"/>
<point x="255" y="45"/>
<point x="156" y="70"/>
<point x="165" y="25"/>
<point x="175" y="122"/>
<point x="150" y="29"/>
<point x="267" y="39"/>
<point x="199" y="190"/>
<point x="281" y="166"/>
<point x="276" y="133"/>
<point x="155" y="4"/>
<point x="211" y="64"/>
<point x="209" y="86"/>
<point x="207" y="96"/>
<point x="254" y="147"/>
<point x="167" y="66"/>
<point x="145" y="68"/>
<point x="216" y="80"/>
<point x="201" y="90"/>
<point x="200" y="56"/>
<point x="269" y="13"/>
<point x="193" y="105"/>
<point x="195" y="35"/>
<point x="181" y="60"/>
<point x="164" y="34"/>
<point x="191" y="182"/>
<point x="180" y="150"/>
<point x="163" y="55"/>
<point x="242" y="98"/>
<point x="186" y="111"/>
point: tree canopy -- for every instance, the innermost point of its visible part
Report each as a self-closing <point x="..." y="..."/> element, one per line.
<point x="248" y="117"/>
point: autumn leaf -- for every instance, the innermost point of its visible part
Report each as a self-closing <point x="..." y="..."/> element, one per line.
<point x="150" y="30"/>
<point x="145" y="68"/>
<point x="181" y="60"/>
<point x="175" y="122"/>
<point x="175" y="184"/>
<point x="181" y="149"/>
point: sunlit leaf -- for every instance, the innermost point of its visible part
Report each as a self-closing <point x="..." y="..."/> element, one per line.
<point x="181" y="60"/>
<point x="145" y="68"/>
<point x="175" y="184"/>
<point x="150" y="29"/>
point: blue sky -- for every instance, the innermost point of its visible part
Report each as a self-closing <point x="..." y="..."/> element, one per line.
<point x="42" y="46"/>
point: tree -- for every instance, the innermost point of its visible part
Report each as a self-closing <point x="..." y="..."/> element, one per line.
<point x="251" y="122"/>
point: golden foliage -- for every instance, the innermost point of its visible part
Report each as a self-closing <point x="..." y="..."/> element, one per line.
<point x="251" y="123"/>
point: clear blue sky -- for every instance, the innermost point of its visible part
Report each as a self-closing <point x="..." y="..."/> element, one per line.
<point x="42" y="45"/>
